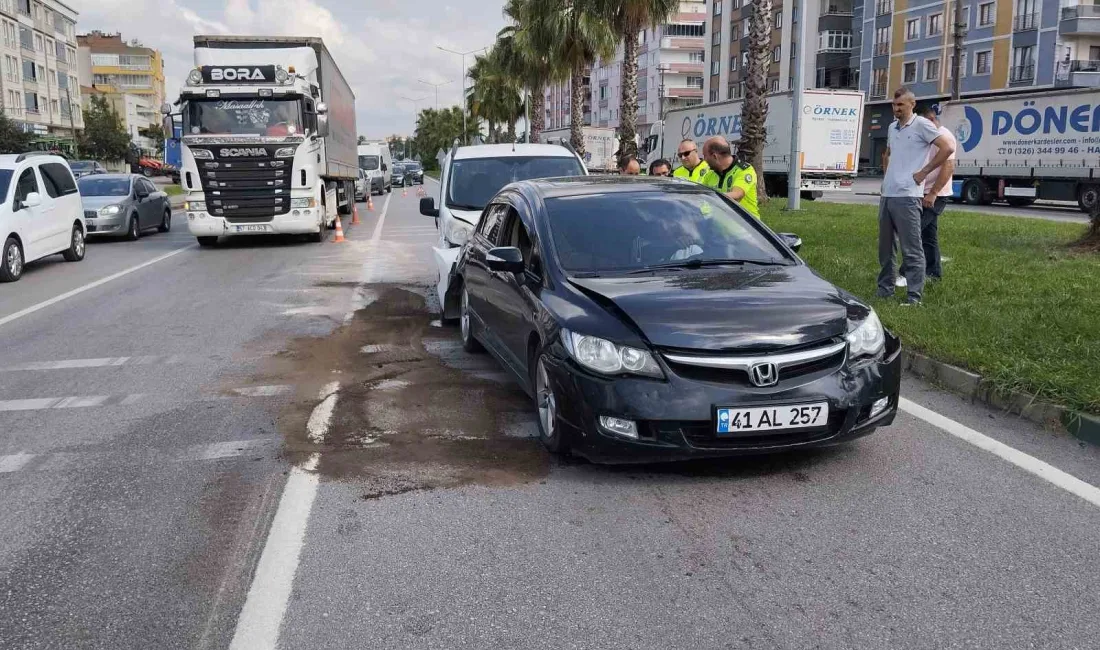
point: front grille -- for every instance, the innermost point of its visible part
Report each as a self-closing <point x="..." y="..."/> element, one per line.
<point x="702" y="434"/>
<point x="254" y="189"/>
<point x="697" y="369"/>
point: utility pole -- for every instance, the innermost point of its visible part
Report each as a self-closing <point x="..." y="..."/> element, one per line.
<point x="662" y="68"/>
<point x="436" y="86"/>
<point x="959" y="32"/>
<point x="72" y="123"/>
<point x="465" y="137"/>
<point x="794" y="176"/>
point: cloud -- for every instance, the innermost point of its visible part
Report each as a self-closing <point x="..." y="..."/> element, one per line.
<point x="383" y="47"/>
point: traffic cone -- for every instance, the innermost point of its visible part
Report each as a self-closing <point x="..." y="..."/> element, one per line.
<point x="370" y="203"/>
<point x="355" y="215"/>
<point x="404" y="192"/>
<point x="339" y="232"/>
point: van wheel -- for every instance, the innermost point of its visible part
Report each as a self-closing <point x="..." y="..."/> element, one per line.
<point x="11" y="262"/>
<point x="166" y="223"/>
<point x="133" y="232"/>
<point x="317" y="237"/>
<point x="208" y="242"/>
<point x="77" y="246"/>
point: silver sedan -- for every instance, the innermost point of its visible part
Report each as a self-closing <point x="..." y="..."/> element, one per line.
<point x="123" y="205"/>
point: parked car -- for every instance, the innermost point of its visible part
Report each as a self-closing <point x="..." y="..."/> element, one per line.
<point x="398" y="175"/>
<point x="362" y="185"/>
<point x="41" y="212"/>
<point x="85" y="167"/>
<point x="471" y="177"/>
<point x="123" y="205"/>
<point x="654" y="319"/>
<point x="414" y="173"/>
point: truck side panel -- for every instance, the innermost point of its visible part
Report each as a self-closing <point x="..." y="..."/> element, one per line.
<point x="340" y="146"/>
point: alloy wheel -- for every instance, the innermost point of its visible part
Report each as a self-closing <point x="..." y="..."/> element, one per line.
<point x="547" y="402"/>
<point x="78" y="243"/>
<point x="464" y="316"/>
<point x="14" y="261"/>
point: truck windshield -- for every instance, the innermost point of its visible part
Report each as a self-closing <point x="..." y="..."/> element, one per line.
<point x="266" y="117"/>
<point x="369" y="163"/>
<point x="475" y="181"/>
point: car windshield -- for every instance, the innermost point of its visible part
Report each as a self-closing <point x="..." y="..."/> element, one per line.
<point x="474" y="182"/>
<point x="5" y="181"/>
<point x="100" y="186"/>
<point x="369" y="163"/>
<point x="81" y="165"/>
<point x="632" y="231"/>
<point x="413" y="167"/>
<point x="266" y="117"/>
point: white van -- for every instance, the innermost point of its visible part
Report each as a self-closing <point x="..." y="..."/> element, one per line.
<point x="41" y="213"/>
<point x="375" y="160"/>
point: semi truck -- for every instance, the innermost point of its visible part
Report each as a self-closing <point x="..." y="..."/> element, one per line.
<point x="831" y="125"/>
<point x="1017" y="149"/>
<point x="268" y="138"/>
<point x="600" y="144"/>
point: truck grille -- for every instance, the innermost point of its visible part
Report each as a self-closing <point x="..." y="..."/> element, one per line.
<point x="246" y="189"/>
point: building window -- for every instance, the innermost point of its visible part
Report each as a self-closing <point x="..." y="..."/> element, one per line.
<point x="779" y="20"/>
<point x="713" y="95"/>
<point x="735" y="29"/>
<point x="981" y="62"/>
<point x="951" y="67"/>
<point x="935" y="24"/>
<point x="1023" y="64"/>
<point x="38" y="43"/>
<point x="883" y="7"/>
<point x="912" y="29"/>
<point x="834" y="41"/>
<point x="909" y="72"/>
<point x="29" y="72"/>
<point x="695" y="57"/>
<point x="745" y="60"/>
<point x="676" y="29"/>
<point x="735" y="4"/>
<point x="931" y="69"/>
<point x="694" y="82"/>
<point x="716" y="36"/>
<point x="987" y="14"/>
<point x="718" y="7"/>
<point x="882" y="41"/>
<point x="775" y="84"/>
<point x="26" y="38"/>
<point x="733" y="63"/>
<point x="745" y="25"/>
<point x="729" y="92"/>
<point x="777" y="53"/>
<point x="714" y="69"/>
<point x="31" y="102"/>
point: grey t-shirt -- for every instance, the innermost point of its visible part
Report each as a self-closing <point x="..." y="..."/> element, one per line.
<point x="909" y="147"/>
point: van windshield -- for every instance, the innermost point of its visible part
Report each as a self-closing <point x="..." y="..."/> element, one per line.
<point x="369" y="163"/>
<point x="475" y="181"/>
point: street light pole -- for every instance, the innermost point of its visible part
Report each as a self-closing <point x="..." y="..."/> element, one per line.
<point x="436" y="86"/>
<point x="416" y="110"/>
<point x="465" y="138"/>
<point x="794" y="176"/>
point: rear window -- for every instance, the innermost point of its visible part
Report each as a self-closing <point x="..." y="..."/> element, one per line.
<point x="81" y="165"/>
<point x="473" y="183"/>
<point x="58" y="180"/>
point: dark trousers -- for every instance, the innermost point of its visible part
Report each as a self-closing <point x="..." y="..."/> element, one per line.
<point x="930" y="237"/>
<point x="900" y="217"/>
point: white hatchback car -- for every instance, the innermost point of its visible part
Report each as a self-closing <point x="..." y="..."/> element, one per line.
<point x="471" y="177"/>
<point x="41" y="213"/>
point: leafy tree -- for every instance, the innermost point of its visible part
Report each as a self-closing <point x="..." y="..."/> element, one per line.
<point x="12" y="138"/>
<point x="754" y="111"/>
<point x="104" y="137"/>
<point x="437" y="130"/>
<point x="523" y="57"/>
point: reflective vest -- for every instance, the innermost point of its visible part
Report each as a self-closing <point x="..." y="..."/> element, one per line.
<point x="696" y="175"/>
<point x="742" y="176"/>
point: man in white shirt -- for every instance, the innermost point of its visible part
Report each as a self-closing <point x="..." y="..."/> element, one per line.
<point x="915" y="148"/>
<point x="937" y="189"/>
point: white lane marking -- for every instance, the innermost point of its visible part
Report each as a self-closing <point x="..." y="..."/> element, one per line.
<point x="91" y="401"/>
<point x="319" y="419"/>
<point x="91" y="285"/>
<point x="29" y="404"/>
<point x="263" y="391"/>
<point x="377" y="234"/>
<point x="105" y="362"/>
<point x="14" y="462"/>
<point x="1028" y="463"/>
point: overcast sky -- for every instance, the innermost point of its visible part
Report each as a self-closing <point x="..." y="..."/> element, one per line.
<point x="383" y="47"/>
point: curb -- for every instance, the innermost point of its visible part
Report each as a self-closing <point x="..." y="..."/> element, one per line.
<point x="1082" y="426"/>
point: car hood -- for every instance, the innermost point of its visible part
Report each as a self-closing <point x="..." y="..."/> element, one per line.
<point x="97" y="202"/>
<point x="761" y="308"/>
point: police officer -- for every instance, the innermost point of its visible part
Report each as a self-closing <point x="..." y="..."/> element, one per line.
<point x="730" y="175"/>
<point x="692" y="166"/>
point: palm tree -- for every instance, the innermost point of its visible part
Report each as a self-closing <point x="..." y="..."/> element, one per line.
<point x="526" y="60"/>
<point x="628" y="17"/>
<point x="494" y="94"/>
<point x="754" y="111"/>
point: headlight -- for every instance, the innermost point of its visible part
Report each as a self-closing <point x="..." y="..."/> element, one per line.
<point x="302" y="203"/>
<point x="867" y="338"/>
<point x="195" y="206"/>
<point x="281" y="76"/>
<point x="195" y="76"/>
<point x="459" y="232"/>
<point x="202" y="154"/>
<point x="285" y="152"/>
<point x="108" y="210"/>
<point x="608" y="358"/>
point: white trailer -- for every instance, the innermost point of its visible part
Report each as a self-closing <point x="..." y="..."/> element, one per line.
<point x="831" y="125"/>
<point x="1017" y="149"/>
<point x="600" y="145"/>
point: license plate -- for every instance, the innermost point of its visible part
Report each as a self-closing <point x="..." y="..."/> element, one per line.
<point x="772" y="418"/>
<point x="252" y="227"/>
<point x="821" y="185"/>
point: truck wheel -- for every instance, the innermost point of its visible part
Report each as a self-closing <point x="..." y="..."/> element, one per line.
<point x="973" y="192"/>
<point x="1087" y="197"/>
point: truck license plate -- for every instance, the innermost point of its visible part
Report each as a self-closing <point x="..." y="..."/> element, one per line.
<point x="772" y="418"/>
<point x="252" y="227"/>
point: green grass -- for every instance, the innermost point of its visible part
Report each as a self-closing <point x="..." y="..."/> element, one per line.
<point x="173" y="190"/>
<point x="1016" y="306"/>
<point x="434" y="173"/>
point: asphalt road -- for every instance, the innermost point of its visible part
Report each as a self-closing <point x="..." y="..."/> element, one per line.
<point x="273" y="444"/>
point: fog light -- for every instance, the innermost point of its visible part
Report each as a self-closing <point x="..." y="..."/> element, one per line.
<point x="618" y="426"/>
<point x="879" y="406"/>
<point x="296" y="213"/>
<point x="307" y="212"/>
<point x="190" y="216"/>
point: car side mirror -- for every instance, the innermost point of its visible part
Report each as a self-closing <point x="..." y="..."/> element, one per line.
<point x="427" y="207"/>
<point x="506" y="259"/>
<point x="384" y="168"/>
<point x="33" y="200"/>
<point x="793" y="241"/>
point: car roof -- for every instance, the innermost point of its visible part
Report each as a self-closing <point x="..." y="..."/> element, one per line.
<point x="518" y="150"/>
<point x="591" y="185"/>
<point x="11" y="160"/>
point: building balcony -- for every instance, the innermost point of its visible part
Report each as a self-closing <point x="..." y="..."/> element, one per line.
<point x="684" y="92"/>
<point x="689" y="18"/>
<point x="685" y="68"/>
<point x="1026" y="23"/>
<point x="1022" y="74"/>
<point x="884" y="7"/>
<point x="837" y="8"/>
<point x="1080" y="20"/>
<point x="1077" y="74"/>
<point x="683" y="43"/>
<point x="878" y="91"/>
<point x="882" y="49"/>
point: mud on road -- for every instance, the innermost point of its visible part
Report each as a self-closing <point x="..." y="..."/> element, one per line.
<point x="403" y="418"/>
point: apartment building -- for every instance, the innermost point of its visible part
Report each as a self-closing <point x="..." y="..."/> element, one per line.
<point x="38" y="76"/>
<point x="128" y="74"/>
<point x="558" y="103"/>
<point x="831" y="32"/>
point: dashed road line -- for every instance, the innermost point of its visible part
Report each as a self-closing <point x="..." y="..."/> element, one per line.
<point x="14" y="462"/>
<point x="105" y="362"/>
<point x="62" y="460"/>
<point x="377" y="234"/>
<point x="95" y="401"/>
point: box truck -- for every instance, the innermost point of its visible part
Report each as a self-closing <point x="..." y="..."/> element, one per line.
<point x="268" y="143"/>
<point x="600" y="145"/>
<point x="1017" y="149"/>
<point x="831" y="124"/>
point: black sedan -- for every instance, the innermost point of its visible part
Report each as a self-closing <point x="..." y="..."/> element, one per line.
<point x="653" y="319"/>
<point x="414" y="173"/>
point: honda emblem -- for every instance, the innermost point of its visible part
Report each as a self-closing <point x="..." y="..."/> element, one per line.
<point x="764" y="374"/>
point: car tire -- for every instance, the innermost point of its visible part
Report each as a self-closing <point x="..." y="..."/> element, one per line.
<point x="77" y="245"/>
<point x="546" y="408"/>
<point x="466" y="325"/>
<point x="389" y="189"/>
<point x="146" y="172"/>
<point x="166" y="223"/>
<point x="11" y="261"/>
<point x="133" y="229"/>
<point x="208" y="242"/>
